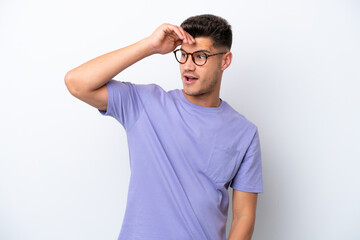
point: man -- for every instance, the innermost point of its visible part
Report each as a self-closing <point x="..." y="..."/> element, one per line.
<point x="186" y="146"/>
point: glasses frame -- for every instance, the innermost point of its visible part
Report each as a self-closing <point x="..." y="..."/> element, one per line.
<point x="192" y="56"/>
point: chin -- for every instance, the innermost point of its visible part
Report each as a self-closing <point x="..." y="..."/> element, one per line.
<point x="194" y="92"/>
<point x="187" y="92"/>
<point x="190" y="93"/>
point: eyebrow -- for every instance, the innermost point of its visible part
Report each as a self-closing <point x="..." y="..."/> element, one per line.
<point x="201" y="50"/>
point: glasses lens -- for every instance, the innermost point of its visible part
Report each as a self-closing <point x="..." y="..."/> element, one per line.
<point x="181" y="56"/>
<point x="199" y="58"/>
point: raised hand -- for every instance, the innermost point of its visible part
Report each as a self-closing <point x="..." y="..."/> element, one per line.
<point x="167" y="37"/>
<point x="87" y="81"/>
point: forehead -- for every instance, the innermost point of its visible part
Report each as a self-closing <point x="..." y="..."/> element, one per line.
<point x="201" y="43"/>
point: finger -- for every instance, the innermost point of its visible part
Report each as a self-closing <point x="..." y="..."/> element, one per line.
<point x="186" y="37"/>
<point x="192" y="38"/>
<point x="177" y="31"/>
<point x="178" y="43"/>
<point x="189" y="38"/>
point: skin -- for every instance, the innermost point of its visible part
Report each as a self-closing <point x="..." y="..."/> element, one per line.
<point x="244" y="213"/>
<point x="87" y="82"/>
<point x="206" y="89"/>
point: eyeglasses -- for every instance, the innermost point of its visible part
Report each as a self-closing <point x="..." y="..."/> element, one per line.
<point x="198" y="57"/>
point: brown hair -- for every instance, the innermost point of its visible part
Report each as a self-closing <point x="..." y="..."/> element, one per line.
<point x="207" y="25"/>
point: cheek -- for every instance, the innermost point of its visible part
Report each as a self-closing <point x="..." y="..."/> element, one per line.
<point x="181" y="67"/>
<point x="214" y="69"/>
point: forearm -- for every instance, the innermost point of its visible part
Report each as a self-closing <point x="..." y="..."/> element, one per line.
<point x="242" y="228"/>
<point x="98" y="71"/>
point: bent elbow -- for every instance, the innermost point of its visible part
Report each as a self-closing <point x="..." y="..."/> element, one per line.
<point x="70" y="84"/>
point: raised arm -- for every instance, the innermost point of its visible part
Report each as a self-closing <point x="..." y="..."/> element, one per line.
<point x="87" y="82"/>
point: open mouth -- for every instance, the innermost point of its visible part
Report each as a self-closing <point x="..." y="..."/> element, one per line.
<point x="190" y="79"/>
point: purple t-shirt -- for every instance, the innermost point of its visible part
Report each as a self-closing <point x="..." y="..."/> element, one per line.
<point x="183" y="157"/>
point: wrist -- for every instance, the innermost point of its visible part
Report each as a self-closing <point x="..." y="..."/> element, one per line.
<point x="148" y="47"/>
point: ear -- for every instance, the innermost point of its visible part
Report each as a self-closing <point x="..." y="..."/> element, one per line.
<point x="227" y="58"/>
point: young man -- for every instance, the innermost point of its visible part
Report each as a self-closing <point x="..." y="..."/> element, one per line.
<point x="186" y="146"/>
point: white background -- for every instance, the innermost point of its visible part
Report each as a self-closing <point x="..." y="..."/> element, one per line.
<point x="64" y="169"/>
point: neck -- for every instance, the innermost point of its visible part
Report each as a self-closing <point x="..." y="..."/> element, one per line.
<point x="204" y="100"/>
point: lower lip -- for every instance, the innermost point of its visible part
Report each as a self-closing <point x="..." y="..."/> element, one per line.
<point x="190" y="81"/>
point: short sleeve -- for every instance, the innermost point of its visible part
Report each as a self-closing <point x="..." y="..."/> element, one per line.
<point x="123" y="102"/>
<point x="249" y="175"/>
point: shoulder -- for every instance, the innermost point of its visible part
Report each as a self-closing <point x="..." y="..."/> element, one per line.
<point x="150" y="87"/>
<point x="236" y="125"/>
<point x="140" y="89"/>
<point x="239" y="119"/>
<point x="152" y="90"/>
<point x="153" y="94"/>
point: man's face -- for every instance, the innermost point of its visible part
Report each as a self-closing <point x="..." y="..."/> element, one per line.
<point x="205" y="79"/>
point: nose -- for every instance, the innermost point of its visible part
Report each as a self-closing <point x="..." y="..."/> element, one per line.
<point x="189" y="65"/>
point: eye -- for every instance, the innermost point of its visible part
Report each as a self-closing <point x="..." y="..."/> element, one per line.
<point x="201" y="56"/>
<point x="182" y="54"/>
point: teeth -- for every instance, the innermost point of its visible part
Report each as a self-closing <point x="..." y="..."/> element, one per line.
<point x="190" y="78"/>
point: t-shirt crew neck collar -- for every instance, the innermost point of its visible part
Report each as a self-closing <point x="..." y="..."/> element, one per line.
<point x="201" y="108"/>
